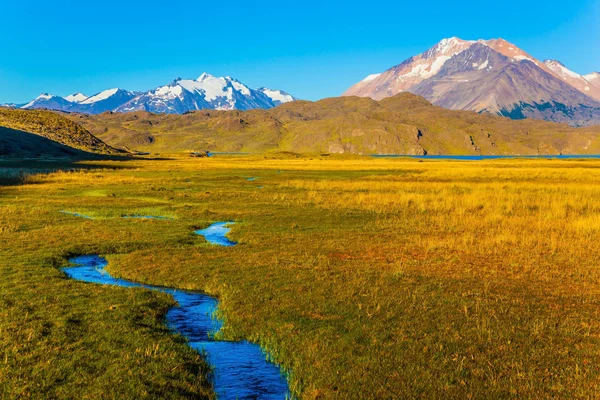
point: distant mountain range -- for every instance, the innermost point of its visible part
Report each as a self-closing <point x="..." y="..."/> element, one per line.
<point x="492" y="76"/>
<point x="178" y="97"/>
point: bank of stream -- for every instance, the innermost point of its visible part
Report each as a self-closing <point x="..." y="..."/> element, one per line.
<point x="240" y="369"/>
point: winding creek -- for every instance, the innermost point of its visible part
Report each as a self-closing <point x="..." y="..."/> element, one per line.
<point x="240" y="369"/>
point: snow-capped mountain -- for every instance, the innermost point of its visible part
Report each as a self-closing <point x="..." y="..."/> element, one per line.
<point x="106" y="100"/>
<point x="181" y="95"/>
<point x="206" y="92"/>
<point x="493" y="76"/>
<point x="46" y="100"/>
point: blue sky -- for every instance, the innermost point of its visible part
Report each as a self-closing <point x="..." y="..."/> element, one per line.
<point x="312" y="49"/>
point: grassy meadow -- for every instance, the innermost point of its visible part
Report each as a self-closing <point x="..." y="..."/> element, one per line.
<point x="363" y="278"/>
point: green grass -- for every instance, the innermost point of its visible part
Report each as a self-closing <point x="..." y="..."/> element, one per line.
<point x="363" y="278"/>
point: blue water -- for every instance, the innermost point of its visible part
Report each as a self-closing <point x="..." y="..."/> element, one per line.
<point x="74" y="214"/>
<point x="487" y="157"/>
<point x="240" y="369"/>
<point x="216" y="234"/>
<point x="137" y="216"/>
<point x="251" y="179"/>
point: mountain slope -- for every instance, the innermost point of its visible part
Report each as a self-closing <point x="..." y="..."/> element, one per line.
<point x="493" y="76"/>
<point x="403" y="124"/>
<point x="54" y="127"/>
<point x="106" y="100"/>
<point x="48" y="101"/>
<point x="178" y="97"/>
<point x="579" y="82"/>
<point x="481" y="79"/>
<point x="17" y="144"/>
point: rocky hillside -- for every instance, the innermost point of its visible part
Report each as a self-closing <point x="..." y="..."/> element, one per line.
<point x="53" y="127"/>
<point x="490" y="76"/>
<point x="403" y="124"/>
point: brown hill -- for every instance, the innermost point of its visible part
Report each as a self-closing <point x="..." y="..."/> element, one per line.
<point x="403" y="124"/>
<point x="52" y="126"/>
<point x="16" y="144"/>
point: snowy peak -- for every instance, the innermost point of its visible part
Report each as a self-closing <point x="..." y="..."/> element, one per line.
<point x="489" y="75"/>
<point x="277" y="96"/>
<point x="46" y="100"/>
<point x="76" y="97"/>
<point x="101" y="96"/>
<point x="205" y="76"/>
<point x="448" y="47"/>
<point x="410" y="72"/>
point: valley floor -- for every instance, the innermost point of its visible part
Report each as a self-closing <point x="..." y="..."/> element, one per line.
<point x="363" y="278"/>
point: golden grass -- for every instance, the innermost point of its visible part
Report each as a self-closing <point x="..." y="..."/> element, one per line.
<point x="365" y="278"/>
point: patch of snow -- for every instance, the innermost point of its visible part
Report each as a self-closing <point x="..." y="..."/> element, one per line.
<point x="562" y="70"/>
<point x="436" y="66"/>
<point x="593" y="76"/>
<point x="240" y="87"/>
<point x="522" y="57"/>
<point x="100" y="96"/>
<point x="371" y="77"/>
<point x="277" y="95"/>
<point x="425" y="70"/>
<point x="445" y="46"/>
<point x="484" y="65"/>
<point x="76" y="97"/>
<point x="212" y="87"/>
<point x="169" y="92"/>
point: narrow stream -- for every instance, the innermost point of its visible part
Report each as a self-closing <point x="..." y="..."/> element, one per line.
<point x="217" y="234"/>
<point x="240" y="369"/>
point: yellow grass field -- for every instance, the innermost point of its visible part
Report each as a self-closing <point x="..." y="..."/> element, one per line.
<point x="363" y="278"/>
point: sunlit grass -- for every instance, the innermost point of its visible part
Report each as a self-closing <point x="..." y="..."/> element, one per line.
<point x="363" y="278"/>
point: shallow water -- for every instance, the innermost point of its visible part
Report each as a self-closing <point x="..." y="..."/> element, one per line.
<point x="74" y="214"/>
<point x="133" y="216"/>
<point x="216" y="234"/>
<point x="487" y="157"/>
<point x="137" y="216"/>
<point x="241" y="370"/>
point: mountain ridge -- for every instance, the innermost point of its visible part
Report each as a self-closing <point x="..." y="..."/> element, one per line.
<point x="177" y="97"/>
